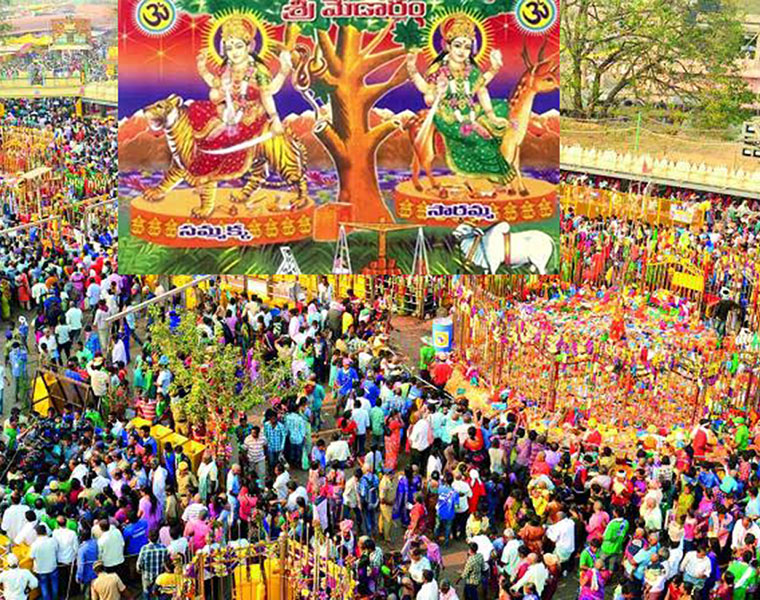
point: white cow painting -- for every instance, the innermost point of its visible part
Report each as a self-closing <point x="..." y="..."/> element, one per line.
<point x="490" y="248"/>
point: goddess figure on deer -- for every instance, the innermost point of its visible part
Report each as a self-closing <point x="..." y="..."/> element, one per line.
<point x="479" y="136"/>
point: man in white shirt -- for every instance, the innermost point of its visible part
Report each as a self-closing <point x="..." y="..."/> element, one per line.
<point x="158" y="476"/>
<point x="16" y="581"/>
<point x="68" y="544"/>
<point x="44" y="552"/>
<point x="28" y="532"/>
<point x="110" y="545"/>
<point x="39" y="290"/>
<point x="429" y="589"/>
<point x="296" y="492"/>
<point x="281" y="482"/>
<point x="208" y="477"/>
<point x="74" y="321"/>
<point x="418" y="565"/>
<point x="99" y="379"/>
<point x="338" y="451"/>
<point x="420" y="438"/>
<point x="696" y="567"/>
<point x="67" y="541"/>
<point x="669" y="571"/>
<point x="193" y="509"/>
<point x="100" y="323"/>
<point x="14" y="517"/>
<point x="462" y="510"/>
<point x="351" y="498"/>
<point x="48" y="339"/>
<point x="744" y="526"/>
<point x="360" y="416"/>
<point x="510" y="557"/>
<point x="562" y="533"/>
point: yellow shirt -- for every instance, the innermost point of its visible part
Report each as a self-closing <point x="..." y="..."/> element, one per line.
<point x="348" y="320"/>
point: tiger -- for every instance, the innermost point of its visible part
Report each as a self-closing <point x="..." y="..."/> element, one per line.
<point x="285" y="154"/>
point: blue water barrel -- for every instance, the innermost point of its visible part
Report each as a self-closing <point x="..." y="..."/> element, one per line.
<point x="443" y="334"/>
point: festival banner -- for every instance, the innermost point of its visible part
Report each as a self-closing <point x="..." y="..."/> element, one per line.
<point x="339" y="136"/>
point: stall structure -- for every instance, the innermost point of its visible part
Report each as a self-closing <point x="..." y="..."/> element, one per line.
<point x="620" y="355"/>
<point x="607" y="203"/>
<point x="287" y="568"/>
<point x="24" y="148"/>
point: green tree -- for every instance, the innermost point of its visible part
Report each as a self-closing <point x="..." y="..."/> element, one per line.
<point x="209" y="385"/>
<point x="651" y="50"/>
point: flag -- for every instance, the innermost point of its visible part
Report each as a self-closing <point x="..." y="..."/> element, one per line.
<point x="78" y="107"/>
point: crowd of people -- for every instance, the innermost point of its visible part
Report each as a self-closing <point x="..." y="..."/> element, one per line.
<point x="726" y="251"/>
<point x="367" y="451"/>
<point x="719" y="203"/>
<point x="38" y="65"/>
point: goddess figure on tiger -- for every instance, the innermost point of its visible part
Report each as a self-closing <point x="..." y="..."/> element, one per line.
<point x="236" y="133"/>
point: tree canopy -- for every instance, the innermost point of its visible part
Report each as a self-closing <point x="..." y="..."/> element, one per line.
<point x="646" y="51"/>
<point x="209" y="383"/>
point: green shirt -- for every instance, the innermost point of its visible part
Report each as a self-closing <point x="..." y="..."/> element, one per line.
<point x="742" y="437"/>
<point x="427" y="354"/>
<point x="473" y="569"/>
<point x="377" y="420"/>
<point x="614" y="537"/>
<point x="742" y="578"/>
<point x="11" y="434"/>
<point x="95" y="418"/>
<point x="587" y="559"/>
<point x="84" y="356"/>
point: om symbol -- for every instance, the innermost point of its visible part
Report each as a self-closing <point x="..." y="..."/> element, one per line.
<point x="535" y="16"/>
<point x="156" y="17"/>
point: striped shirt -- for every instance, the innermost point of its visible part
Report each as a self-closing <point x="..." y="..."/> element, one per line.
<point x="255" y="448"/>
<point x="146" y="408"/>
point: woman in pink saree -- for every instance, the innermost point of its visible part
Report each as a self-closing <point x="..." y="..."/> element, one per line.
<point x="592" y="582"/>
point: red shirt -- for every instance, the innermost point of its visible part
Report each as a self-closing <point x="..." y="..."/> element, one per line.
<point x="440" y="373"/>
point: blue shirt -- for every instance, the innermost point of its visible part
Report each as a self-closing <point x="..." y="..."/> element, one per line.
<point x="643" y="558"/>
<point x="296" y="427"/>
<point x="447" y="501"/>
<point x="86" y="557"/>
<point x="371" y="391"/>
<point x="345" y="380"/>
<point x="73" y="375"/>
<point x="135" y="536"/>
<point x="171" y="464"/>
<point x="317" y="397"/>
<point x="151" y="443"/>
<point x="275" y="436"/>
<point x="367" y="483"/>
<point x="18" y="358"/>
<point x="318" y="456"/>
<point x="708" y="479"/>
